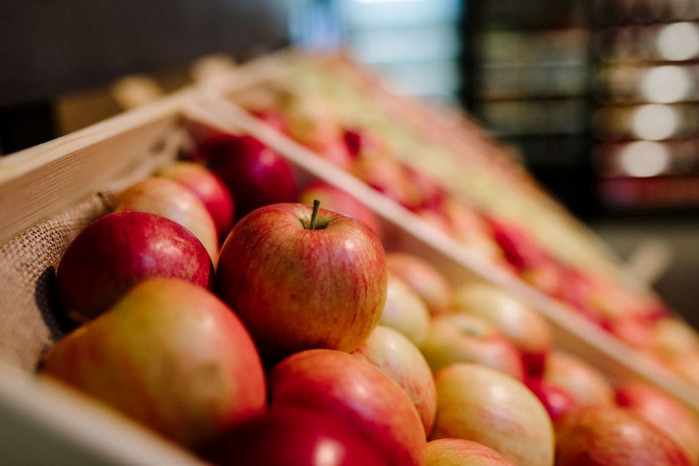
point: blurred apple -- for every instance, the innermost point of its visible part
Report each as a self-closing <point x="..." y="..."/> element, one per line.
<point x="523" y="326"/>
<point x="302" y="279"/>
<point x="387" y="176"/>
<point x="671" y="336"/>
<point x="253" y="173"/>
<point x="479" y="404"/>
<point x="667" y="414"/>
<point x="424" y="278"/>
<point x="400" y="359"/>
<point x="404" y="311"/>
<point x="119" y="250"/>
<point x="469" y="227"/>
<point x="332" y="198"/>
<point x="609" y="436"/>
<point x="170" y="355"/>
<point x="289" y="435"/>
<point x="164" y="197"/>
<point x="555" y="399"/>
<point x="356" y="393"/>
<point x="582" y="381"/>
<point x="208" y="188"/>
<point x="460" y="452"/>
<point x="454" y="338"/>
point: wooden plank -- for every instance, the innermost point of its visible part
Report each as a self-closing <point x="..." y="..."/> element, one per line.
<point x="44" y="422"/>
<point x="47" y="178"/>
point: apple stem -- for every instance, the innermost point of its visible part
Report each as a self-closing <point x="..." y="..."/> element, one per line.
<point x="314" y="215"/>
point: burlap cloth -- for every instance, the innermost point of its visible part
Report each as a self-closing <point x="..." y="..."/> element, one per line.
<point x="29" y="317"/>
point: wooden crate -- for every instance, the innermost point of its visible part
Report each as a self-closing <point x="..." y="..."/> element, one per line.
<point x="38" y="183"/>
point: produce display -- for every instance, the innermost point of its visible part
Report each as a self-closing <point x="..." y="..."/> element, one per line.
<point x="306" y="338"/>
<point x="463" y="182"/>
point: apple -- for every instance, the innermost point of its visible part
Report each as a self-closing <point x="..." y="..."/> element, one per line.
<point x="336" y="199"/>
<point x="555" y="399"/>
<point x="673" y="337"/>
<point x="169" y="354"/>
<point x="667" y="414"/>
<point x="522" y="325"/>
<point x="460" y="452"/>
<point x="357" y="394"/>
<point x="579" y="379"/>
<point x="486" y="406"/>
<point x="164" y="197"/>
<point x="455" y="338"/>
<point x="208" y="187"/>
<point x="609" y="436"/>
<point x="290" y="435"/>
<point x="424" y="278"/>
<point x="400" y="359"/>
<point x="387" y="176"/>
<point x="302" y="278"/>
<point x="253" y="173"/>
<point x="468" y="226"/>
<point x="405" y="311"/>
<point x="117" y="251"/>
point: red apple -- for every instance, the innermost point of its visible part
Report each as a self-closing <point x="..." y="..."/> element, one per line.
<point x="405" y="311"/>
<point x="170" y="355"/>
<point x="400" y="359"/>
<point x="455" y="338"/>
<point x="468" y="226"/>
<point x="332" y="198"/>
<point x="667" y="414"/>
<point x="480" y="404"/>
<point x="424" y="278"/>
<point x="172" y="200"/>
<point x="460" y="452"/>
<point x="579" y="379"/>
<point x="208" y="188"/>
<point x="523" y="326"/>
<point x="253" y="173"/>
<point x="119" y="250"/>
<point x="302" y="280"/>
<point x="356" y="393"/>
<point x="290" y="435"/>
<point x="609" y="436"/>
<point x="556" y="400"/>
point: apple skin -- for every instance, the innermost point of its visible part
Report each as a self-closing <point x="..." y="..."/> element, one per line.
<point x="254" y="174"/>
<point x="290" y="435"/>
<point x="170" y="199"/>
<point x="401" y="360"/>
<point x="332" y="198"/>
<point x="169" y="354"/>
<point x="529" y="332"/>
<point x="356" y="393"/>
<point x="389" y="177"/>
<point x="555" y="399"/>
<point x="117" y="251"/>
<point x="296" y="288"/>
<point x="670" y="416"/>
<point x="455" y="338"/>
<point x="480" y="404"/>
<point x="208" y="187"/>
<point x="583" y="382"/>
<point x="460" y="452"/>
<point x="609" y="436"/>
<point x="405" y="311"/>
<point x="424" y="278"/>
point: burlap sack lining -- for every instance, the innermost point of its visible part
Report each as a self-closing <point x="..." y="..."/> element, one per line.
<point x="30" y="320"/>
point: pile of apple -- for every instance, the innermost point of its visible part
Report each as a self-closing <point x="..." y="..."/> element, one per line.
<point x="300" y="341"/>
<point x="637" y="318"/>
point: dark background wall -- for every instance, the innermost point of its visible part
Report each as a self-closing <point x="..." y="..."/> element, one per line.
<point x="53" y="46"/>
